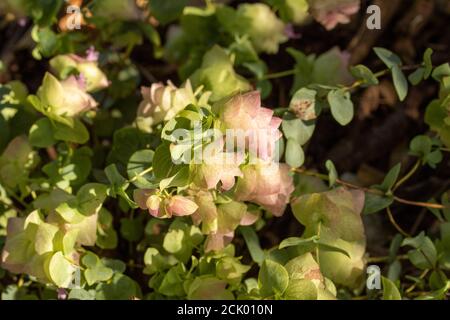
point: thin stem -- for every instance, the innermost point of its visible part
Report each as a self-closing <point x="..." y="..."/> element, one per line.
<point x="140" y="174"/>
<point x="373" y="191"/>
<point x="420" y="204"/>
<point x="13" y="195"/>
<point x="414" y="285"/>
<point x="280" y="74"/>
<point x="378" y="74"/>
<point x="408" y="175"/>
<point x="317" y="246"/>
<point x="395" y="224"/>
<point x="385" y="259"/>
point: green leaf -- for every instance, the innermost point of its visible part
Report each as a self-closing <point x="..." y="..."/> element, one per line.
<point x="114" y="177"/>
<point x="132" y="229"/>
<point x="76" y="134"/>
<point x="173" y="240"/>
<point x="172" y="283"/>
<point x="179" y="179"/>
<point x="294" y="154"/>
<point x="428" y="63"/>
<point x="81" y="294"/>
<point x="298" y="130"/>
<point x="375" y="203"/>
<point x="301" y="289"/>
<point x="389" y="58"/>
<point x="121" y="287"/>
<point x="390" y="291"/>
<point x="424" y="255"/>
<point x="127" y="141"/>
<point x="208" y="288"/>
<point x="60" y="270"/>
<point x="90" y="198"/>
<point x="106" y="235"/>
<point x="390" y="178"/>
<point x="417" y="76"/>
<point x="162" y="157"/>
<point x="155" y="261"/>
<point x="364" y="74"/>
<point x="441" y="71"/>
<point x="296" y="241"/>
<point x="335" y="216"/>
<point x="252" y="242"/>
<point x="44" y="238"/>
<point x="41" y="134"/>
<point x="400" y="82"/>
<point x="422" y="147"/>
<point x="167" y="11"/>
<point x="140" y="161"/>
<point x="332" y="173"/>
<point x="303" y="104"/>
<point x="341" y="106"/>
<point x="96" y="271"/>
<point x="273" y="279"/>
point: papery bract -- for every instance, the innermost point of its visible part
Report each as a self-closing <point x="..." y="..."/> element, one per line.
<point x="243" y="117"/>
<point x="163" y="102"/>
<point x="267" y="184"/>
<point x="181" y="206"/>
<point x="265" y="29"/>
<point x="218" y="241"/>
<point x="67" y="97"/>
<point x="86" y="66"/>
<point x="218" y="166"/>
<point x="330" y="13"/>
<point x="218" y="75"/>
<point x="16" y="161"/>
<point x="161" y="206"/>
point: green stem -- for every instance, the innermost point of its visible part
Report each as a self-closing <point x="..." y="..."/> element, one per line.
<point x="140" y="174"/>
<point x="280" y="74"/>
<point x="408" y="175"/>
<point x="385" y="259"/>
<point x="372" y="191"/>
<point x="395" y="224"/>
<point x="317" y="245"/>
<point x="422" y="275"/>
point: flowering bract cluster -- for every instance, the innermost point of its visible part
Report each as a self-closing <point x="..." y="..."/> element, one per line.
<point x="213" y="191"/>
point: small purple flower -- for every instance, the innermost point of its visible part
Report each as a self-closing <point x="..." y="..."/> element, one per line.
<point x="290" y="32"/>
<point x="62" y="294"/>
<point x="91" y="54"/>
<point x="22" y="22"/>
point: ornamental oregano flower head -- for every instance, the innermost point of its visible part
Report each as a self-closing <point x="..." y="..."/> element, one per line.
<point x="86" y="66"/>
<point x="266" y="31"/>
<point x="163" y="102"/>
<point x="242" y="114"/>
<point x="330" y="13"/>
<point x="66" y="98"/>
<point x="163" y="206"/>
<point x="267" y="184"/>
